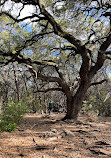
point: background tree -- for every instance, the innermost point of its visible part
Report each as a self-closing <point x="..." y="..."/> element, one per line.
<point x="98" y="97"/>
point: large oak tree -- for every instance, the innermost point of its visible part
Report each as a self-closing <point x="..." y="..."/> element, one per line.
<point x="84" y="26"/>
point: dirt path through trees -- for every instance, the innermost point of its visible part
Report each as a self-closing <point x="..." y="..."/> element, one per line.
<point x="47" y="137"/>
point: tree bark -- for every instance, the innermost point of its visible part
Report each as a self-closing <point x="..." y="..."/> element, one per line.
<point x="16" y="81"/>
<point x="74" y="103"/>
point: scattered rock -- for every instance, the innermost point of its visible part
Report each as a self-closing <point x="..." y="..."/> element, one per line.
<point x="60" y="139"/>
<point x="49" y="134"/>
<point x="67" y="133"/>
<point x="54" y="130"/>
<point x="52" y="134"/>
<point x="52" y="138"/>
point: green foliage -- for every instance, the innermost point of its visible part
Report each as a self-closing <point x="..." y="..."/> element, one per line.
<point x="12" y="115"/>
<point x="35" y="102"/>
<point x="103" y="104"/>
<point x="7" y="126"/>
<point x="86" y="106"/>
<point x="99" y="104"/>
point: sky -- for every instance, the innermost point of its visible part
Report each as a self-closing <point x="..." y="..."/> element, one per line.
<point x="28" y="10"/>
<point x="15" y="8"/>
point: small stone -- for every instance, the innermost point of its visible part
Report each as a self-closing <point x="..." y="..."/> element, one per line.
<point x="54" y="130"/>
<point x="49" y="134"/>
<point x="52" y="139"/>
<point x="67" y="133"/>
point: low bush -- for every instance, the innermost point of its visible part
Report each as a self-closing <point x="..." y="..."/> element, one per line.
<point x="101" y="104"/>
<point x="7" y="126"/>
<point x="11" y="116"/>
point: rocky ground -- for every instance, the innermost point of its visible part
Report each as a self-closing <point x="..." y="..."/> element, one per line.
<point x="47" y="137"/>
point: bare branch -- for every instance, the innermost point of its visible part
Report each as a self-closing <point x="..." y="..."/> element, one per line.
<point x="65" y="88"/>
<point x="57" y="28"/>
<point x="108" y="52"/>
<point x="20" y="59"/>
<point x="101" y="56"/>
<point x="64" y="48"/>
<point x="25" y="18"/>
<point x="106" y="43"/>
<point x="31" y="41"/>
<point x="32" y="71"/>
<point x="49" y="78"/>
<point x="49" y="89"/>
<point x="59" y="73"/>
<point x="97" y="83"/>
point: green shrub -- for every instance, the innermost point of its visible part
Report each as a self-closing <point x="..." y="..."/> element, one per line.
<point x="12" y="114"/>
<point x="7" y="126"/>
<point x="103" y="104"/>
<point x="98" y="104"/>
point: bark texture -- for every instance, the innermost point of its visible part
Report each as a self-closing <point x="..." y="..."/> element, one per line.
<point x="74" y="103"/>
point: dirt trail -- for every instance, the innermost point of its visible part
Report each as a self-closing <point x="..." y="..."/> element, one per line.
<point x="47" y="137"/>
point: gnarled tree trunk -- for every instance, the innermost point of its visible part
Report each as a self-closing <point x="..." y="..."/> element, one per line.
<point x="74" y="103"/>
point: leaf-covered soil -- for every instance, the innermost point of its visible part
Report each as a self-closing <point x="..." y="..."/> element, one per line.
<point x="47" y="137"/>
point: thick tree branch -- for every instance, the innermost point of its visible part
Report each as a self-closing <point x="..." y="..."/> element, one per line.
<point x="60" y="32"/>
<point x="65" y="88"/>
<point x="57" y="28"/>
<point x="20" y="59"/>
<point x="59" y="73"/>
<point x="101" y="56"/>
<point x="106" y="43"/>
<point x="49" y="78"/>
<point x="66" y="48"/>
<point x="77" y="43"/>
